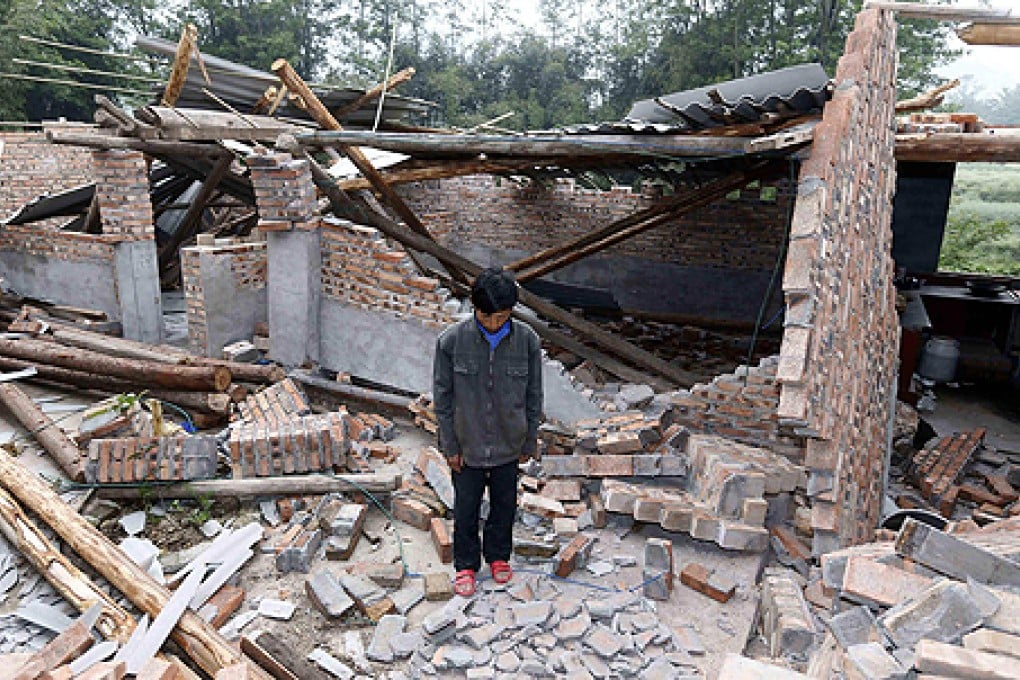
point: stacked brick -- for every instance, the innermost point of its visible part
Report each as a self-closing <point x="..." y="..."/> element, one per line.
<point x="30" y="165"/>
<point x="151" y="459"/>
<point x="290" y="445"/>
<point x="247" y="261"/>
<point x="276" y="402"/>
<point x="284" y="192"/>
<point x="741" y="405"/>
<point x="122" y="188"/>
<point x="937" y="469"/>
<point x="360" y="268"/>
<point x="743" y="231"/>
<point x="724" y="497"/>
<point x="621" y="445"/>
<point x="838" y="358"/>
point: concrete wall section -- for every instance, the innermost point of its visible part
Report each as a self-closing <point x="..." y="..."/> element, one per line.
<point x="141" y="307"/>
<point x="294" y="290"/>
<point x="82" y="282"/>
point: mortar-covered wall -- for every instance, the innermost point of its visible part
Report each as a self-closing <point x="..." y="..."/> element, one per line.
<point x="837" y="367"/>
<point x="225" y="293"/>
<point x="30" y="166"/>
<point x="714" y="262"/>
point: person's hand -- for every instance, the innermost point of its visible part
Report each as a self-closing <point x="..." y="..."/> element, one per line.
<point x="456" y="463"/>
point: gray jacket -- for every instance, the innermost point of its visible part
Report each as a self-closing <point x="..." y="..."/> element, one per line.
<point x="488" y="403"/>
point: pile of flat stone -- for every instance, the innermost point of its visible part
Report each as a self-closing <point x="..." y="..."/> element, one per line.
<point x="539" y="628"/>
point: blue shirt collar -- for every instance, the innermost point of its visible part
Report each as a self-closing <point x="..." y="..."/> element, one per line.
<point x="494" y="338"/>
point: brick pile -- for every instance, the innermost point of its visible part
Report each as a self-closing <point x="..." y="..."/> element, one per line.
<point x="724" y="499"/>
<point x="248" y="263"/>
<point x="30" y="165"/>
<point x="360" y="268"/>
<point x="743" y="231"/>
<point x="122" y="187"/>
<point x="277" y="402"/>
<point x="144" y="459"/>
<point x="741" y="405"/>
<point x="837" y="364"/>
<point x="937" y="469"/>
<point x="291" y="445"/>
<point x="620" y="445"/>
<point x="284" y="192"/>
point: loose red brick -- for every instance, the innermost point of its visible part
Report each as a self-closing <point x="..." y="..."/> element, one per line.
<point x="441" y="540"/>
<point x="412" y="512"/>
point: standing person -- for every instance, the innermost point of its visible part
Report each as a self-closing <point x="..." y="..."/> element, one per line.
<point x="487" y="391"/>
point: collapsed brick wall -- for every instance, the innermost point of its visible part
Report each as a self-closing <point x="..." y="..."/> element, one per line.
<point x="837" y="366"/>
<point x="362" y="269"/>
<point x="743" y="231"/>
<point x="56" y="245"/>
<point x="741" y="406"/>
<point x="30" y="166"/>
<point x="246" y="262"/>
<point x="122" y="187"/>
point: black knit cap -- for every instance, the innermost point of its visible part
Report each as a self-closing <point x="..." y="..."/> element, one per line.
<point x="494" y="290"/>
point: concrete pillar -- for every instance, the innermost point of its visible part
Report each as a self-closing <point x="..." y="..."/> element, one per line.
<point x="122" y="187"/>
<point x="294" y="273"/>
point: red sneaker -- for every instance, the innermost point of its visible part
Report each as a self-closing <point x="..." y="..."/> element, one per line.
<point x="501" y="572"/>
<point x="464" y="583"/>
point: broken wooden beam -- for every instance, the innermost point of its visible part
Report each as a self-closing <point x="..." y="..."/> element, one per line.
<point x="927" y="100"/>
<point x="196" y="637"/>
<point x="312" y="485"/>
<point x="65" y="453"/>
<point x="179" y="70"/>
<point x="958" y="147"/>
<point x="373" y="93"/>
<point x="989" y="34"/>
<point x="920" y="10"/>
<point x="192" y="220"/>
<point x="113" y="623"/>
<point x="150" y="146"/>
<point x="197" y="378"/>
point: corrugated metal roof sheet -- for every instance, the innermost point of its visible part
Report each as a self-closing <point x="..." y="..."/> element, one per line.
<point x="788" y="92"/>
<point x="241" y="86"/>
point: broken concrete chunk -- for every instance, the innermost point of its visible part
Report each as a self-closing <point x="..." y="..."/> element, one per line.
<point x="328" y="596"/>
<point x="330" y="664"/>
<point x="276" y="609"/>
<point x="870" y="661"/>
<point x="943" y="612"/>
<point x="953" y="556"/>
<point x="379" y="648"/>
<point x="855" y="626"/>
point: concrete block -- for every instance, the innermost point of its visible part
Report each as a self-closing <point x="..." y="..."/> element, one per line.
<point x="870" y="661"/>
<point x="405" y="599"/>
<point x="787" y="623"/>
<point x="957" y="662"/>
<point x="565" y="466"/>
<point x="328" y="596"/>
<point x="647" y="465"/>
<point x="943" y="612"/>
<point x="438" y="587"/>
<point x="379" y="648"/>
<point x="707" y="582"/>
<point x="855" y="626"/>
<point x="993" y="642"/>
<point x="677" y="518"/>
<point x="737" y="667"/>
<point x="362" y="591"/>
<point x="954" y="556"/>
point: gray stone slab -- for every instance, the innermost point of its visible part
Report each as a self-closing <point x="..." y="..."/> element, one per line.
<point x="379" y="648"/>
<point x="328" y="596"/>
<point x="954" y="556"/>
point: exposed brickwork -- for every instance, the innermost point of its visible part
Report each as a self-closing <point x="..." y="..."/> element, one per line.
<point x="276" y="402"/>
<point x="137" y="459"/>
<point x="362" y="269"/>
<point x="838" y="358"/>
<point x="284" y="192"/>
<point x="31" y="166"/>
<point x="740" y="405"/>
<point x="248" y="263"/>
<point x="742" y="232"/>
<point x="52" y="243"/>
<point x="937" y="469"/>
<point x="295" y="444"/>
<point x="122" y="184"/>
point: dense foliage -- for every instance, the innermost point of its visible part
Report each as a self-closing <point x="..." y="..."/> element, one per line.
<point x="983" y="230"/>
<point x="572" y="62"/>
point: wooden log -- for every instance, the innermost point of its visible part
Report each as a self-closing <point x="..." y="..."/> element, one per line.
<point x="199" y="378"/>
<point x="213" y="403"/>
<point x="312" y="485"/>
<point x="927" y="100"/>
<point x="919" y="10"/>
<point x="64" y="452"/>
<point x="192" y="220"/>
<point x="201" y="125"/>
<point x="321" y="115"/>
<point x="114" y="623"/>
<point x="560" y="146"/>
<point x="962" y="147"/>
<point x="989" y="34"/>
<point x="152" y="147"/>
<point x="133" y="349"/>
<point x="198" y="639"/>
<point x="398" y="78"/>
<point x="446" y="169"/>
<point x="179" y="69"/>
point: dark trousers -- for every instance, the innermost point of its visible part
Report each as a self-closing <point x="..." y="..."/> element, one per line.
<point x="497" y="542"/>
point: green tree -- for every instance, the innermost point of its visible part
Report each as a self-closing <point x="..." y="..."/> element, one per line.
<point x="973" y="244"/>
